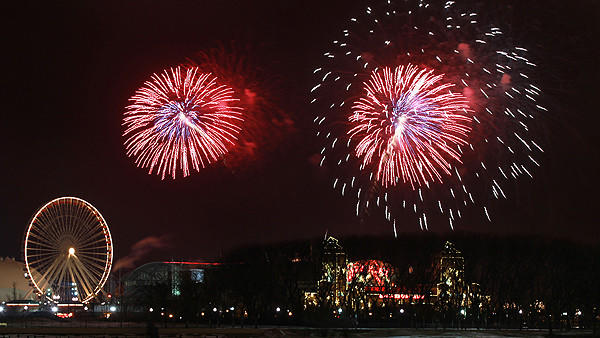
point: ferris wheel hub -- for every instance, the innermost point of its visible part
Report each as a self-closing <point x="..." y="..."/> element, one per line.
<point x="71" y="251"/>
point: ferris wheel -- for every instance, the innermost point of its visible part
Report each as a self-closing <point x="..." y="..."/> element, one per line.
<point x="68" y="251"/>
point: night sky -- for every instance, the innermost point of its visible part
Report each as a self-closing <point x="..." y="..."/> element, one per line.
<point x="69" y="68"/>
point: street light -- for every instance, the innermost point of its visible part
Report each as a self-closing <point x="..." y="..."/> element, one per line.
<point x="54" y="309"/>
<point x="113" y="308"/>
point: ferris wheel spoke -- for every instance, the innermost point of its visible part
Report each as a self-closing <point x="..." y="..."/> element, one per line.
<point x="98" y="266"/>
<point x="90" y="273"/>
<point x="73" y="279"/>
<point x="40" y="268"/>
<point x="92" y="220"/>
<point x="75" y="221"/>
<point x="53" y="220"/>
<point x="88" y="234"/>
<point x="69" y="215"/>
<point x="43" y="234"/>
<point x="83" y="224"/>
<point x="95" y="249"/>
<point x="41" y="264"/>
<point x="37" y="250"/>
<point x="99" y="253"/>
<point x="57" y="272"/>
<point x="39" y="240"/>
<point x="48" y="276"/>
<point x="94" y="258"/>
<point x="94" y="268"/>
<point x="44" y="258"/>
<point x="65" y="216"/>
<point x="62" y="272"/>
<point x="93" y="262"/>
<point x="86" y="280"/>
<point x="83" y="228"/>
<point x="88" y="245"/>
<point x="80" y="282"/>
<point x="47" y="219"/>
<point x="91" y="236"/>
<point x="43" y="286"/>
<point x="93" y="274"/>
<point x="88" y="219"/>
<point x="44" y="245"/>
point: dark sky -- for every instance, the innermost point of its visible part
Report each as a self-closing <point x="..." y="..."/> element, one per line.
<point x="69" y="68"/>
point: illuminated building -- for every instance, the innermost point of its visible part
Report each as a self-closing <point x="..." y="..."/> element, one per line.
<point x="452" y="289"/>
<point x="365" y="287"/>
<point x="367" y="280"/>
<point x="358" y="286"/>
<point x="332" y="286"/>
<point x="454" y="293"/>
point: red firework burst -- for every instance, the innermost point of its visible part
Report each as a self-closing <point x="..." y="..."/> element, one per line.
<point x="181" y="117"/>
<point x="410" y="125"/>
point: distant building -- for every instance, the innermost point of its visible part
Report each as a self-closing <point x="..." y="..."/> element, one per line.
<point x="372" y="287"/>
<point x="367" y="282"/>
<point x="332" y="286"/>
<point x="454" y="293"/>
<point x="452" y="289"/>
<point x="13" y="284"/>
<point x="358" y="286"/>
<point x="166" y="275"/>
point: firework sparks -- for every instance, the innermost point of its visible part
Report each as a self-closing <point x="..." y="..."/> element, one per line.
<point x="266" y="125"/>
<point x="181" y="118"/>
<point x="410" y="124"/>
<point x="425" y="112"/>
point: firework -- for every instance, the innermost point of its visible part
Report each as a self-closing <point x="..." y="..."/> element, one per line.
<point x="424" y="111"/>
<point x="266" y="125"/>
<point x="179" y="119"/>
<point x="410" y="124"/>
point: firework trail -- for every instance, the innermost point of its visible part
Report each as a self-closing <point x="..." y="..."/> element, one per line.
<point x="425" y="112"/>
<point x="181" y="118"/>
